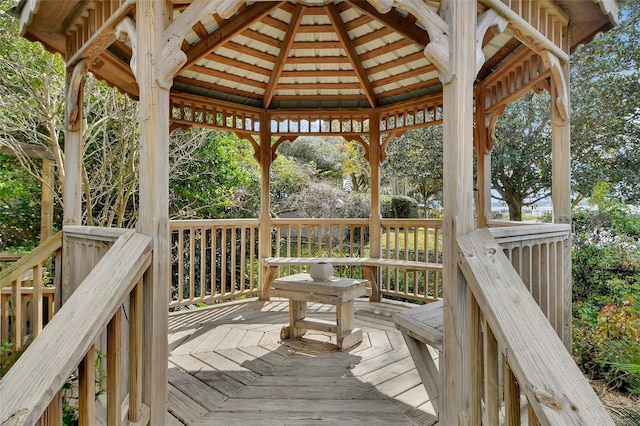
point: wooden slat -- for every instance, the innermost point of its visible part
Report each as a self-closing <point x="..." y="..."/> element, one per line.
<point x="28" y="387"/>
<point x="544" y="368"/>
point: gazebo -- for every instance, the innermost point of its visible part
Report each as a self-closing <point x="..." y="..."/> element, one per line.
<point x="272" y="71"/>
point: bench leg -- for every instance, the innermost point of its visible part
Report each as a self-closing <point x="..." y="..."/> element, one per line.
<point x="346" y="333"/>
<point x="297" y="311"/>
<point x="370" y="273"/>
<point x="431" y="378"/>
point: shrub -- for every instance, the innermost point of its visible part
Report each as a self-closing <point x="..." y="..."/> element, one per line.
<point x="398" y="206"/>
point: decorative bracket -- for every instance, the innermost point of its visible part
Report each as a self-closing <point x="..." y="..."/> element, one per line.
<point x="437" y="51"/>
<point x="490" y="122"/>
<point x="73" y="95"/>
<point x="552" y="63"/>
<point x="127" y="29"/>
<point x="488" y="19"/>
<point x="173" y="58"/>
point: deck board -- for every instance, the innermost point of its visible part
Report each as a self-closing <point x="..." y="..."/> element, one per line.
<point x="228" y="366"/>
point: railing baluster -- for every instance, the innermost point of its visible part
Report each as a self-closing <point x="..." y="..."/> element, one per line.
<point x="203" y="262"/>
<point x="192" y="262"/>
<point x="511" y="396"/>
<point x="114" y="367"/>
<point x="16" y="304"/>
<point x="491" y="376"/>
<point x="475" y="359"/>
<point x="36" y="302"/>
<point x="135" y="352"/>
<point x="87" y="388"/>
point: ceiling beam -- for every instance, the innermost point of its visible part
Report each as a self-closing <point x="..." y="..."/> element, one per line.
<point x="226" y="32"/>
<point x="285" y="48"/>
<point x="393" y="20"/>
<point x="349" y="48"/>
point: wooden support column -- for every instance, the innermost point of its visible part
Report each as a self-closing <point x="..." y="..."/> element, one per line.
<point x="46" y="200"/>
<point x="152" y="17"/>
<point x="266" y="157"/>
<point x="483" y="155"/>
<point x="561" y="154"/>
<point x="72" y="185"/>
<point x="375" y="151"/>
<point x="458" y="208"/>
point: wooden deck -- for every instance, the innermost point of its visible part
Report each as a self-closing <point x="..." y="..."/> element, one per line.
<point x="227" y="366"/>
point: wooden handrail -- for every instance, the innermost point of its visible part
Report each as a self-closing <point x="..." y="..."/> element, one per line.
<point x="28" y="261"/>
<point x="556" y="389"/>
<point x="28" y="388"/>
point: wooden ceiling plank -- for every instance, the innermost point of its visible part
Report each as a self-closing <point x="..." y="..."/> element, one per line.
<point x="239" y="64"/>
<point x="318" y="73"/>
<point x="285" y="48"/>
<point x="227" y="76"/>
<point x="275" y="23"/>
<point x="388" y="48"/>
<point x="319" y="60"/>
<point x="217" y="87"/>
<point x="320" y="28"/>
<point x="398" y="62"/>
<point x="310" y="45"/>
<point x="249" y="51"/>
<point x="497" y="58"/>
<point x="349" y="48"/>
<point x="395" y="21"/>
<point x="319" y="86"/>
<point x="372" y="36"/>
<point x="228" y="30"/>
<point x="409" y="88"/>
<point x="404" y="75"/>
<point x="262" y="38"/>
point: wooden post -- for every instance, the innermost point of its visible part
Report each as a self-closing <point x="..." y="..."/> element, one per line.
<point x="458" y="206"/>
<point x="72" y="185"/>
<point x="561" y="198"/>
<point x="483" y="155"/>
<point x="375" y="218"/>
<point x="46" y="200"/>
<point x="152" y="18"/>
<point x="561" y="157"/>
<point x="266" y="156"/>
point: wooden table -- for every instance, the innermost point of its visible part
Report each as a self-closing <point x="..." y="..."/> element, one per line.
<point x="300" y="289"/>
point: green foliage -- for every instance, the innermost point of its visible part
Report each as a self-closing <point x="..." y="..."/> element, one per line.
<point x="521" y="156"/>
<point x="19" y="206"/>
<point x="606" y="291"/>
<point x="417" y="157"/>
<point x="398" y="206"/>
<point x="605" y="110"/>
<point x="322" y="153"/>
<point x="217" y="180"/>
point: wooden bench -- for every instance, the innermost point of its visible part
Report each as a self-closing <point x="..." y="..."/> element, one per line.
<point x="421" y="327"/>
<point x="368" y="264"/>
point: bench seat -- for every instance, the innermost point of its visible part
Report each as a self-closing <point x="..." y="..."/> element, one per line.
<point x="422" y="327"/>
<point x="367" y="263"/>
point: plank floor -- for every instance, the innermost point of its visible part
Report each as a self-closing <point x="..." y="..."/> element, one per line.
<point x="227" y="366"/>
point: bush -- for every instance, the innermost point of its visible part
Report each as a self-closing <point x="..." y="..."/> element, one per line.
<point x="398" y="206"/>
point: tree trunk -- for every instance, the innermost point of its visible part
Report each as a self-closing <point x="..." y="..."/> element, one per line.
<point x="515" y="210"/>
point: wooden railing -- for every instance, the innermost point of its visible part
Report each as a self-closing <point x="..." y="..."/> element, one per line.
<point x="30" y="391"/>
<point x="26" y="304"/>
<point x="412" y="239"/>
<point x="541" y="253"/>
<point x="213" y="260"/>
<point x="6" y="259"/>
<point x="509" y="332"/>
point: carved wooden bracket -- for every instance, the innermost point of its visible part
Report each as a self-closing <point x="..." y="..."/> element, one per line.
<point x="488" y="19"/>
<point x="490" y="122"/>
<point x="127" y="29"/>
<point x="390" y="136"/>
<point x="74" y="95"/>
<point x="362" y="142"/>
<point x="254" y="143"/>
<point x="558" y="79"/>
<point x="437" y="51"/>
<point x="279" y="142"/>
<point x="173" y="58"/>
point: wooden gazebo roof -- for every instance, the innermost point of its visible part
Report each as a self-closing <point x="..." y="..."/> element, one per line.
<point x="312" y="54"/>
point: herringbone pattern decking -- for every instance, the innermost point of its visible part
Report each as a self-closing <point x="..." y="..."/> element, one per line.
<point x="227" y="366"/>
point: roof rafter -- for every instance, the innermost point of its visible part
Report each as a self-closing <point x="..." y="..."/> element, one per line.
<point x="225" y="32"/>
<point x="356" y="62"/>
<point x="285" y="48"/>
<point x="393" y="20"/>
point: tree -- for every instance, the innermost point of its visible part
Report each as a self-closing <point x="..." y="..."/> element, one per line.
<point x="521" y="156"/>
<point x="605" y="115"/>
<point x="417" y="157"/>
<point x="323" y="153"/>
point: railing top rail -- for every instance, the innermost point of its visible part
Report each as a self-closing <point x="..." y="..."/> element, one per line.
<point x="552" y="382"/>
<point x="531" y="230"/>
<point x="319" y="221"/>
<point x="94" y="233"/>
<point x="29" y="260"/>
<point x="10" y="257"/>
<point x="41" y="371"/>
<point x="176" y="224"/>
